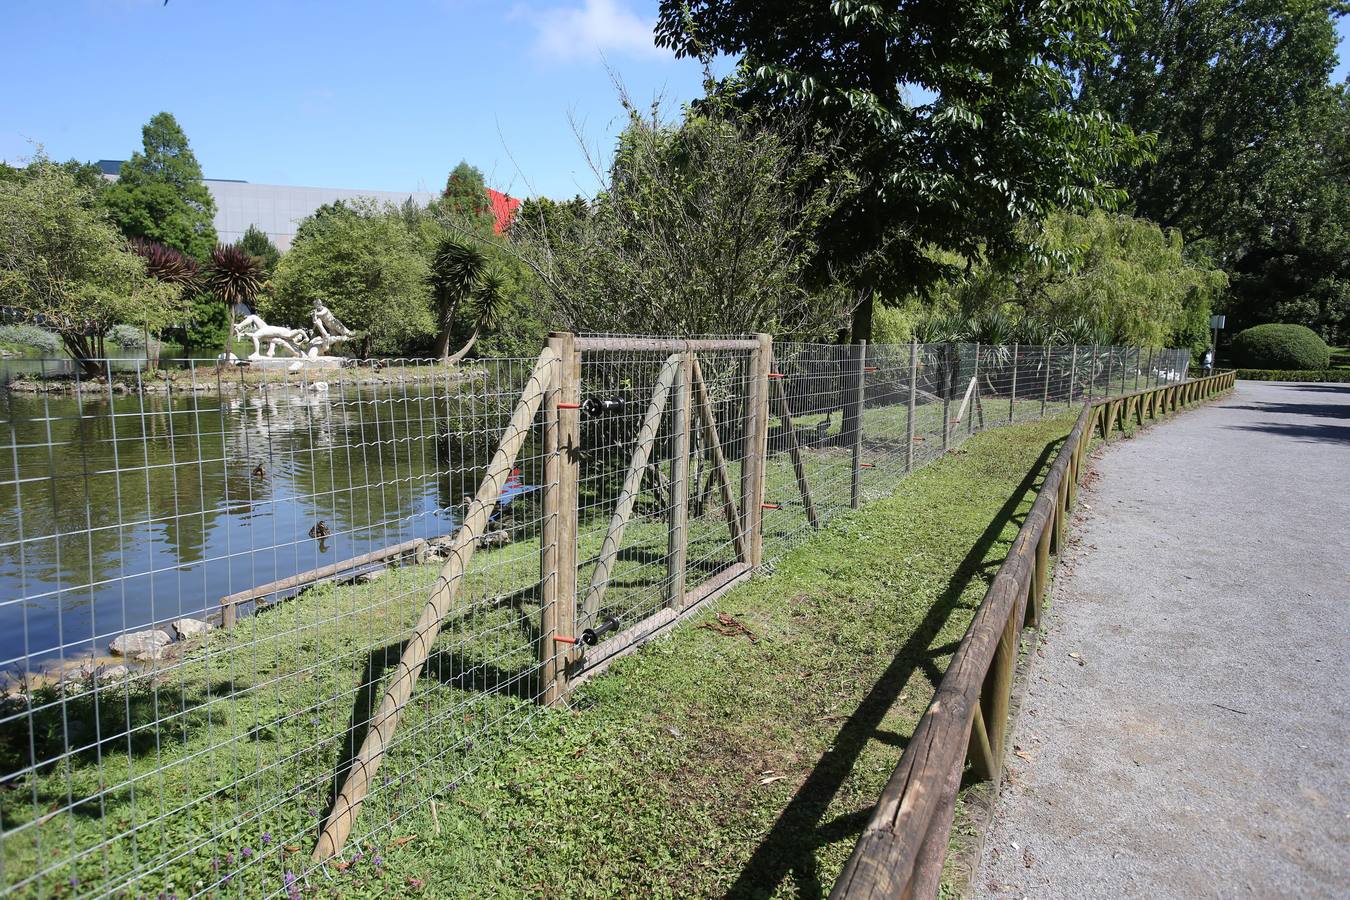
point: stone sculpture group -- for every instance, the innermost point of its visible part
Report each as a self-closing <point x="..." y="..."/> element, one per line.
<point x="328" y="330"/>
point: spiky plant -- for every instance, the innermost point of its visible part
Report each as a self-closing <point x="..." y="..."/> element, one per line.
<point x="489" y="295"/>
<point x="234" y="276"/>
<point x="167" y="264"/>
<point x="460" y="274"/>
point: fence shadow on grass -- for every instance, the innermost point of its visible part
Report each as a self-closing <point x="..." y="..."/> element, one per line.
<point x="452" y="668"/>
<point x="788" y="850"/>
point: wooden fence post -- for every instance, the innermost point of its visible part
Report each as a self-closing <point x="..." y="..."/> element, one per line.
<point x="558" y="542"/>
<point x="756" y="460"/>
<point x="1045" y="390"/>
<point x="550" y="673"/>
<point x="1012" y="398"/>
<point x="628" y="493"/>
<point x="399" y="686"/>
<point x="677" y="543"/>
<point x="708" y="420"/>
<point x="1073" y="375"/>
<point x="794" y="450"/>
<point x="913" y="396"/>
<point x="859" y="403"/>
<point x="975" y="381"/>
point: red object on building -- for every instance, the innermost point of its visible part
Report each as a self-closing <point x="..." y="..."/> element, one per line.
<point x="503" y="209"/>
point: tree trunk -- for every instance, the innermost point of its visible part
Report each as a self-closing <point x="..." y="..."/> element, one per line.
<point x="468" y="345"/>
<point x="77" y="345"/>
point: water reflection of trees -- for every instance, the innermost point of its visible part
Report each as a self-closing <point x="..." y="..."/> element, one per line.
<point x="102" y="492"/>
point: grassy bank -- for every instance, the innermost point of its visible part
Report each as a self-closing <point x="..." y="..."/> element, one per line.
<point x="714" y="761"/>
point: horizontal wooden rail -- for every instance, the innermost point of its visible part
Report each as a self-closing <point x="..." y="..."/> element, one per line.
<point x="229" y="605"/>
<point x="664" y="345"/>
<point x="901" y="850"/>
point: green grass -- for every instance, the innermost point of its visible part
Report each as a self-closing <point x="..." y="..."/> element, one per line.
<point x="704" y="764"/>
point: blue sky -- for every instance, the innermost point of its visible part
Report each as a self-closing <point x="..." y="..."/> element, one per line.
<point x="360" y="95"/>
<point x="386" y="97"/>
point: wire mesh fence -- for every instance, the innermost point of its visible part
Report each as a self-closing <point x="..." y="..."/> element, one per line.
<point x="211" y="574"/>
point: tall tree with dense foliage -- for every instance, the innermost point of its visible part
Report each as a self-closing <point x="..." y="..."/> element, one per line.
<point x="63" y="263"/>
<point x="466" y="199"/>
<point x="364" y="264"/>
<point x="159" y="194"/>
<point x="950" y="122"/>
<point x="1234" y="90"/>
<point x="1296" y="268"/>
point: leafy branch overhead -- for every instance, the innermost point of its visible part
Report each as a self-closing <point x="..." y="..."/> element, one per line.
<point x="954" y="122"/>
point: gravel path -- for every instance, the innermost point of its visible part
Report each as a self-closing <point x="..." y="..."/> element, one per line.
<point x="1185" y="729"/>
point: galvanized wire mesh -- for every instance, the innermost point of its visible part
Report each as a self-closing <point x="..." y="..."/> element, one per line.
<point x="258" y="542"/>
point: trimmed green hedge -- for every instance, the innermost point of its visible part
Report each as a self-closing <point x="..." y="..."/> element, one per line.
<point x="1336" y="375"/>
<point x="1279" y="346"/>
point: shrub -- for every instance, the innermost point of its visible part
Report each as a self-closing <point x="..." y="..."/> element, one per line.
<point x="30" y="336"/>
<point x="1324" y="375"/>
<point x="1278" y="346"/>
<point x="128" y="337"/>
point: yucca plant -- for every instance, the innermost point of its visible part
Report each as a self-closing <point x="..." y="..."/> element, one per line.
<point x="488" y="296"/>
<point x="463" y="278"/>
<point x="941" y="333"/>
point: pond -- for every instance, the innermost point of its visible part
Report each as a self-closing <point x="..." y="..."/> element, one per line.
<point x="122" y="510"/>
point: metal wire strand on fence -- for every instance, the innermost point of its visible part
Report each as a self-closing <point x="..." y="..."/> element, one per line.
<point x="240" y="601"/>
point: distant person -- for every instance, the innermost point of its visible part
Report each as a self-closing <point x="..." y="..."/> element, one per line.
<point x="1208" y="362"/>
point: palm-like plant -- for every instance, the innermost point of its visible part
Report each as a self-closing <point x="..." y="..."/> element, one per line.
<point x="488" y="296"/>
<point x="234" y="277"/>
<point x="167" y="264"/>
<point x="461" y="276"/>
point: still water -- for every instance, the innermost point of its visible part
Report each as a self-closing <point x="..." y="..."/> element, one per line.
<point x="121" y="510"/>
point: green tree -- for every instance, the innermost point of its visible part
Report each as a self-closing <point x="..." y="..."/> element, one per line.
<point x="159" y="194"/>
<point x="461" y="275"/>
<point x="1233" y="90"/>
<point x="950" y="122"/>
<point x="256" y="243"/>
<point x="700" y="228"/>
<point x="86" y="174"/>
<point x="1296" y="269"/>
<point x="365" y="265"/>
<point x="64" y="264"/>
<point x="466" y="199"/>
<point x="1128" y="280"/>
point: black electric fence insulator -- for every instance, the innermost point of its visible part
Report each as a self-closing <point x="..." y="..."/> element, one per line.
<point x="591" y="636"/>
<point x="597" y="407"/>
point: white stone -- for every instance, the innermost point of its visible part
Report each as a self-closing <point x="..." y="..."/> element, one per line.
<point x="113" y="673"/>
<point x="149" y="643"/>
<point x="189" y="628"/>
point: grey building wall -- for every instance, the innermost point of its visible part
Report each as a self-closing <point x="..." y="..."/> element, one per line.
<point x="277" y="208"/>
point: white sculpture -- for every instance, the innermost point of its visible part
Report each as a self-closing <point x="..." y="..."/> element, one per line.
<point x="254" y="328"/>
<point x="329" y="331"/>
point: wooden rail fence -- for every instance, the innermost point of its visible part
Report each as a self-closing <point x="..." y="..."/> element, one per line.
<point x="902" y="848"/>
